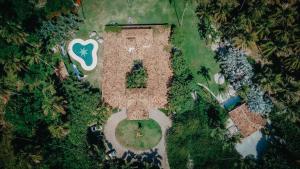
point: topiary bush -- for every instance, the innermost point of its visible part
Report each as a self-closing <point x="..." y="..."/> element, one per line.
<point x="113" y="28"/>
<point x="137" y="77"/>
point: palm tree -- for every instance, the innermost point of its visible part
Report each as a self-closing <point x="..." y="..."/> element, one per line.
<point x="221" y="16"/>
<point x="33" y="54"/>
<point x="10" y="84"/>
<point x="204" y="71"/>
<point x="13" y="33"/>
<point x="264" y="29"/>
<point x="268" y="49"/>
<point x="51" y="103"/>
<point x="246" y="41"/>
<point x="246" y="36"/>
<point x="292" y="63"/>
<point x="12" y="60"/>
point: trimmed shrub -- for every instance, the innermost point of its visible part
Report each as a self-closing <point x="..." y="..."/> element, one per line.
<point x="137" y="77"/>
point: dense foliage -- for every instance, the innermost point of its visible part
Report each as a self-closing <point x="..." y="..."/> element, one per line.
<point x="180" y="98"/>
<point x="44" y="121"/>
<point x="59" y="30"/>
<point x="137" y="77"/>
<point x="258" y="101"/>
<point x="239" y="72"/>
<point x="197" y="137"/>
<point x="270" y="26"/>
<point x="235" y="66"/>
<point x="268" y="32"/>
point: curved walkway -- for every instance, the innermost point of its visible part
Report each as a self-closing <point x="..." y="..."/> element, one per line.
<point x="155" y="114"/>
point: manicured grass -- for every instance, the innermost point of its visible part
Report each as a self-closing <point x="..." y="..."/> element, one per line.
<point x="130" y="135"/>
<point x="197" y="54"/>
<point x="99" y="13"/>
<point x="194" y="49"/>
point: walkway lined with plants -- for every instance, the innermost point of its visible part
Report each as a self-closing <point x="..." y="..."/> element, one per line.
<point x="163" y="121"/>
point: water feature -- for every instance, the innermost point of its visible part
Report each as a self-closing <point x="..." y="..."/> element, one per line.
<point x="84" y="52"/>
<point x="232" y="102"/>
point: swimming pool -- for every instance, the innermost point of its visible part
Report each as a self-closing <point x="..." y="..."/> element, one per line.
<point x="84" y="52"/>
<point x="232" y="102"/>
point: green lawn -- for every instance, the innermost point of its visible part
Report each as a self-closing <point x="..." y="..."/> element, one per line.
<point x="99" y="13"/>
<point x="130" y="135"/>
<point x="195" y="50"/>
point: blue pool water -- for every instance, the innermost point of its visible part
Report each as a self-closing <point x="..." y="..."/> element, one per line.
<point x="84" y="52"/>
<point x="232" y="102"/>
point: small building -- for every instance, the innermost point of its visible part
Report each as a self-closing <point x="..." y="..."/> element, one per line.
<point x="248" y="124"/>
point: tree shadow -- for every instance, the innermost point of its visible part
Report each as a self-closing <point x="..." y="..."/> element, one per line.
<point x="261" y="146"/>
<point x="150" y="159"/>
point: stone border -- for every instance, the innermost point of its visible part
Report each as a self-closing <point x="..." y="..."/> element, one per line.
<point x="78" y="59"/>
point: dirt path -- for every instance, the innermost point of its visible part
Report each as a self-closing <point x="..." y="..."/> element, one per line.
<point x="158" y="116"/>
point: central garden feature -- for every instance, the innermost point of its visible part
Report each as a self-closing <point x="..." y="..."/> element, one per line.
<point x="138" y="134"/>
<point x="137" y="77"/>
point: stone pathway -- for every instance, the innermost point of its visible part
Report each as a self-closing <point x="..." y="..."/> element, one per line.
<point x="222" y="97"/>
<point x="155" y="114"/>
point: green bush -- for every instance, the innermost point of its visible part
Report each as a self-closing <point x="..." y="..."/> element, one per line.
<point x="180" y="99"/>
<point x="137" y="77"/>
<point x="197" y="133"/>
<point x="113" y="28"/>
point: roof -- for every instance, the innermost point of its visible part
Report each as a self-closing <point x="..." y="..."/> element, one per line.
<point x="247" y="122"/>
<point x="138" y="42"/>
<point x="137" y="111"/>
<point x="61" y="71"/>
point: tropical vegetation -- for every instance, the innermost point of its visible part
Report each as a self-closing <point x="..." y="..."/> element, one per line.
<point x="268" y="32"/>
<point x="44" y="120"/>
<point x="137" y="77"/>
<point x="239" y="72"/>
<point x="197" y="138"/>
